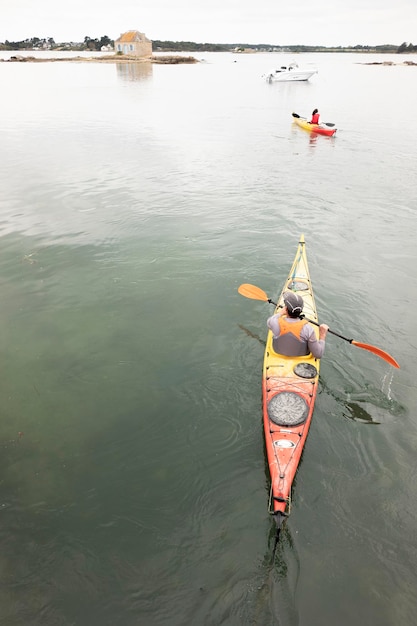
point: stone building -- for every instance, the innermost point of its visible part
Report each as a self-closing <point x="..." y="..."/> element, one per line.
<point x="133" y="43"/>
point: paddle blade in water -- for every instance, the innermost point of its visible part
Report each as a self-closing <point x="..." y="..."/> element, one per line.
<point x="252" y="291"/>
<point x="381" y="353"/>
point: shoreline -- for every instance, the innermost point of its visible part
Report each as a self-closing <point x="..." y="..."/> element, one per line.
<point x="388" y="63"/>
<point x="168" y="60"/>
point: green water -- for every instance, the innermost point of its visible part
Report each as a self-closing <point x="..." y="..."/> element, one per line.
<point x="134" y="488"/>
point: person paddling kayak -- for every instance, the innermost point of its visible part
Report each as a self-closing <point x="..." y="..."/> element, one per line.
<point x="292" y="335"/>
<point x="315" y="116"/>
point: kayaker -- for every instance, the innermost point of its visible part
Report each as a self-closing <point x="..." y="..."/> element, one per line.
<point x="315" y="117"/>
<point x="294" y="336"/>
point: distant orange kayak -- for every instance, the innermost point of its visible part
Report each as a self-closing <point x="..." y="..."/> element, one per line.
<point x="321" y="129"/>
<point x="289" y="389"/>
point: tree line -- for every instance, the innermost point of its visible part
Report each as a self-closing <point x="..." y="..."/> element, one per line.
<point x="48" y="43"/>
<point x="177" y="46"/>
<point x="90" y="43"/>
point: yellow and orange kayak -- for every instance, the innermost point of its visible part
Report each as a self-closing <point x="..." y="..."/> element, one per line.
<point x="321" y="129"/>
<point x="289" y="390"/>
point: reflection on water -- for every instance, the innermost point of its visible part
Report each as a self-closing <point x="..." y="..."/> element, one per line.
<point x="251" y="334"/>
<point x="313" y="139"/>
<point x="357" y="413"/>
<point x="134" y="71"/>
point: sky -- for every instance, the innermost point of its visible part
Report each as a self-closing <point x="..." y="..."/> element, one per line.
<point x="306" y="22"/>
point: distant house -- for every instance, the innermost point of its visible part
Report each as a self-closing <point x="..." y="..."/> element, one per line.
<point x="133" y="43"/>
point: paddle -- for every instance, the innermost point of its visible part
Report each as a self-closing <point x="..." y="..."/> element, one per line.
<point x="304" y="118"/>
<point x="256" y="293"/>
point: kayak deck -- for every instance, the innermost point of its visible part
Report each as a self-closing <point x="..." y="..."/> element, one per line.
<point x="289" y="390"/>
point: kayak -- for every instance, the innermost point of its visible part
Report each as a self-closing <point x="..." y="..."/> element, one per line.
<point x="320" y="129"/>
<point x="289" y="390"/>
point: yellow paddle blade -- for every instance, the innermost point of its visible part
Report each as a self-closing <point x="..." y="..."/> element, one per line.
<point x="252" y="291"/>
<point x="381" y="353"/>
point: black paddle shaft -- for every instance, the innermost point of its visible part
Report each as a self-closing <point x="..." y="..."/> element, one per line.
<point x="315" y="323"/>
<point x="329" y="331"/>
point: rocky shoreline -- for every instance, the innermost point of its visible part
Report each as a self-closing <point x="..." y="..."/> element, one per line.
<point x="388" y="63"/>
<point x="113" y="58"/>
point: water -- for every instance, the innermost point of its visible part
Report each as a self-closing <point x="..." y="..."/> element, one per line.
<point x="135" y="200"/>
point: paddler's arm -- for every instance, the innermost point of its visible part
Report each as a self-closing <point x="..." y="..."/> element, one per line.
<point x="316" y="346"/>
<point x="273" y="323"/>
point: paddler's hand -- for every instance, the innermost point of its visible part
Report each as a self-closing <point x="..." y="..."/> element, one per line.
<point x="323" y="331"/>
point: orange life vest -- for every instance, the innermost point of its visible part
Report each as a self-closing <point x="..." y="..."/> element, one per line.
<point x="289" y="342"/>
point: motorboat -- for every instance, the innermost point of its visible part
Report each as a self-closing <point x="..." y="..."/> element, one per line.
<point x="289" y="73"/>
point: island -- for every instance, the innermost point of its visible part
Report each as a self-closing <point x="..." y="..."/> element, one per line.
<point x="111" y="58"/>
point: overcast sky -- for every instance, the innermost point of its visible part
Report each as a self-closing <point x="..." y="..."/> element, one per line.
<point x="308" y="22"/>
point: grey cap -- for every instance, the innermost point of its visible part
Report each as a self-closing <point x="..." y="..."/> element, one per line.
<point x="294" y="303"/>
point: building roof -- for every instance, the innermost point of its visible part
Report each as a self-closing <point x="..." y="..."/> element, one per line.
<point x="131" y="35"/>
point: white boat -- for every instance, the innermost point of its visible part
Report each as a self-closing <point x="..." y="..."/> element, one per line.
<point x="290" y="72"/>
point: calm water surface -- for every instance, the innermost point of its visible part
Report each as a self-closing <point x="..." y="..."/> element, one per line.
<point x="134" y="201"/>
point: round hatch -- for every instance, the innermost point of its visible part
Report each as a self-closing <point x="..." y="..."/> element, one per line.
<point x="287" y="409"/>
<point x="305" y="370"/>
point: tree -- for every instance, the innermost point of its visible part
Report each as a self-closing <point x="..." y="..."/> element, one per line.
<point x="105" y="41"/>
<point x="406" y="47"/>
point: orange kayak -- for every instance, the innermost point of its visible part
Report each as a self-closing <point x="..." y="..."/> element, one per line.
<point x="289" y="390"/>
<point x="321" y="129"/>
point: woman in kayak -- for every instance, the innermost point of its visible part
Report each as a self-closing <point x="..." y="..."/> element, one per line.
<point x="315" y="117"/>
<point x="294" y="336"/>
